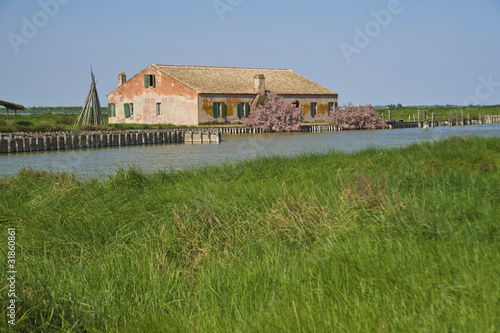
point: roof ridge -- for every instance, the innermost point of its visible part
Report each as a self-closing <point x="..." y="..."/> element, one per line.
<point x="219" y="67"/>
<point x="178" y="79"/>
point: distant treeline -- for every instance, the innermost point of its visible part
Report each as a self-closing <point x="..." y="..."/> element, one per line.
<point x="55" y="109"/>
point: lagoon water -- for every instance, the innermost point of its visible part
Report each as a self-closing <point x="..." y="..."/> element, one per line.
<point x="105" y="161"/>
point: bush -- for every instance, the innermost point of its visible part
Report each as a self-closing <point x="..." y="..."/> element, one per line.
<point x="275" y="115"/>
<point x="356" y="117"/>
<point x="47" y="128"/>
<point x="3" y="122"/>
<point x="65" y="121"/>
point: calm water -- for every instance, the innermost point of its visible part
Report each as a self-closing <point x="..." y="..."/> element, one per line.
<point x="105" y="161"/>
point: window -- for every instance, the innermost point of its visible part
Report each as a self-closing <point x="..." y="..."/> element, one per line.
<point x="126" y="108"/>
<point x="113" y="110"/>
<point x="243" y="110"/>
<point x="131" y="109"/>
<point x="247" y="109"/>
<point x="216" y="110"/>
<point x="313" y="109"/>
<point x="149" y="80"/>
<point x="296" y="104"/>
<point x="158" y="109"/>
<point x="219" y="110"/>
<point x="330" y="107"/>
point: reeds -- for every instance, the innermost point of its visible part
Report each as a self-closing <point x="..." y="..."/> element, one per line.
<point x="378" y="240"/>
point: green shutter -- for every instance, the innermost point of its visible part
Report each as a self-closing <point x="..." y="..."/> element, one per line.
<point x="312" y="109"/>
<point x="330" y="107"/>
<point x="239" y="109"/>
<point x="114" y="110"/>
<point x="154" y="81"/>
<point x="336" y="104"/>
<point x="247" y="109"/>
<point x="215" y="110"/>
<point x="146" y="80"/>
<point x="127" y="110"/>
<point x="224" y="110"/>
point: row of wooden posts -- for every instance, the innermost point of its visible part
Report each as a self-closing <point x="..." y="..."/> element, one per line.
<point x="303" y="128"/>
<point x="453" y="120"/>
<point x="28" y="142"/>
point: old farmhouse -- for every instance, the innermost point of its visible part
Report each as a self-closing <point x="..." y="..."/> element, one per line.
<point x="194" y="95"/>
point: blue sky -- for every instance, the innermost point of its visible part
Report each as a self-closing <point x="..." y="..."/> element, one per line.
<point x="423" y="52"/>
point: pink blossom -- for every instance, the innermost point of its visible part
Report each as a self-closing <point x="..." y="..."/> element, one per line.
<point x="356" y="117"/>
<point x="275" y="115"/>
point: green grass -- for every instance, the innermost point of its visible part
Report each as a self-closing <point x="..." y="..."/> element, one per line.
<point x="398" y="240"/>
<point x="51" y="122"/>
<point x="442" y="113"/>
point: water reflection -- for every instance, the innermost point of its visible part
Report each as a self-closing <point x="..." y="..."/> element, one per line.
<point x="104" y="161"/>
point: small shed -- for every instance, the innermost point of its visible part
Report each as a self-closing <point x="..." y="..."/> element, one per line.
<point x="11" y="106"/>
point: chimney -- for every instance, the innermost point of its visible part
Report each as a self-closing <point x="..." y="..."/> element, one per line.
<point x="259" y="84"/>
<point x="122" y="78"/>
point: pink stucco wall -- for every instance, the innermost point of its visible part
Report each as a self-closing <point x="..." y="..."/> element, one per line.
<point x="179" y="103"/>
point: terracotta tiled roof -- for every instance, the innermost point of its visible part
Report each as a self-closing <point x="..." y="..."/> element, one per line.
<point x="233" y="80"/>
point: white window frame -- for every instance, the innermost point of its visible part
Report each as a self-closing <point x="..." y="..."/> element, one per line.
<point x="131" y="109"/>
<point x="158" y="110"/>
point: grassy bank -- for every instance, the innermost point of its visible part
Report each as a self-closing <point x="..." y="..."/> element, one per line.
<point x="52" y="122"/>
<point x="442" y="113"/>
<point x="379" y="240"/>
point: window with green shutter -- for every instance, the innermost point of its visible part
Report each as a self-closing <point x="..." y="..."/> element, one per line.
<point x="314" y="106"/>
<point x="330" y="107"/>
<point x="216" y="110"/>
<point x="114" y="110"/>
<point x="247" y="109"/>
<point x="241" y="106"/>
<point x="224" y="110"/>
<point x="127" y="110"/>
<point x="149" y="80"/>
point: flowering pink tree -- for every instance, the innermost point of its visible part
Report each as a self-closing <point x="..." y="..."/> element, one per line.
<point x="356" y="117"/>
<point x="275" y="115"/>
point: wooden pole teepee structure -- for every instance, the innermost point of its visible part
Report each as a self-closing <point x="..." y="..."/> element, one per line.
<point x="91" y="113"/>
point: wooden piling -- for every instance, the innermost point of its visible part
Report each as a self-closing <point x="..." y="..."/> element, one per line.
<point x="4" y="146"/>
